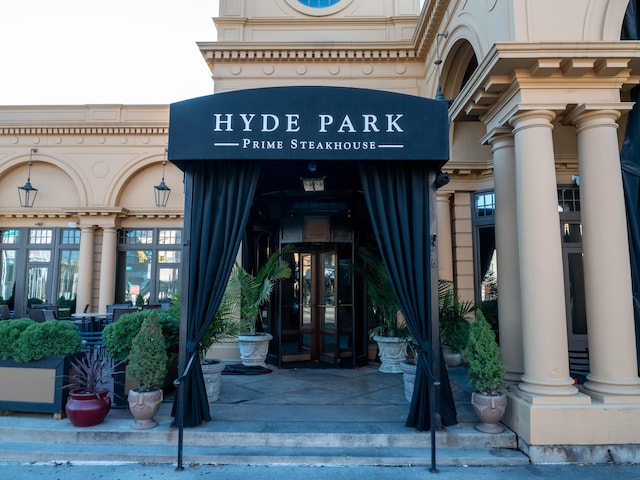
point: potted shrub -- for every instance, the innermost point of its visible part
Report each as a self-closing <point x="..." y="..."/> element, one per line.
<point x="250" y="294"/>
<point x="486" y="375"/>
<point x="390" y="333"/>
<point x="26" y="349"/>
<point x="89" y="401"/>
<point x="148" y="366"/>
<point x="454" y="315"/>
<point x="118" y="338"/>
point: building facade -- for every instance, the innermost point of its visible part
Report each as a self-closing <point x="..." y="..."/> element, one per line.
<point x="538" y="94"/>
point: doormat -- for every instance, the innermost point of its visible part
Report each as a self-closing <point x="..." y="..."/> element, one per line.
<point x="240" y="369"/>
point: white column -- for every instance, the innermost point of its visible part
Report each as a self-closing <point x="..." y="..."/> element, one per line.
<point x="108" y="268"/>
<point x="445" y="244"/>
<point x="506" y="228"/>
<point x="607" y="271"/>
<point x="85" y="267"/>
<point x="544" y="329"/>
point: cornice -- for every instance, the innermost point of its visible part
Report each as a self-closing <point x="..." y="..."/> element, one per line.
<point x="309" y="52"/>
<point x="516" y="67"/>
<point x="42" y="130"/>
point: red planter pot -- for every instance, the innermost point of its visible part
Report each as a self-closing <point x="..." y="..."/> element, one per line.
<point x="87" y="409"/>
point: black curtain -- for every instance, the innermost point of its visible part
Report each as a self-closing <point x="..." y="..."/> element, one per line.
<point x="397" y="195"/>
<point x="221" y="193"/>
<point x="630" y="163"/>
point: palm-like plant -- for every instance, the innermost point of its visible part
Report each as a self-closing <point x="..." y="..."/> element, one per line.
<point x="251" y="292"/>
<point x="91" y="373"/>
<point x="383" y="303"/>
<point x="454" y="315"/>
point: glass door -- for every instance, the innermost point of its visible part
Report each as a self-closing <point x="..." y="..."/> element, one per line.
<point x="315" y="313"/>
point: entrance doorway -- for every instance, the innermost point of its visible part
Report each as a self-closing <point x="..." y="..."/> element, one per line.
<point x="317" y="309"/>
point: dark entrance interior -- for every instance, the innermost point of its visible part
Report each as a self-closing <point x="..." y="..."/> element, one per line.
<point x="318" y="314"/>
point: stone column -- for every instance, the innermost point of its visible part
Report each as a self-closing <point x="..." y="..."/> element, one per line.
<point x="108" y="268"/>
<point x="544" y="328"/>
<point x="85" y="267"/>
<point x="506" y="228"/>
<point x="445" y="245"/>
<point x="607" y="271"/>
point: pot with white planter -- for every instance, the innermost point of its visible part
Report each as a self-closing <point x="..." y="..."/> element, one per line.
<point x="250" y="294"/>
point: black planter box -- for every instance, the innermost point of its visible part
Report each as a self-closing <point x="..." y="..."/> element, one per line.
<point x="35" y="386"/>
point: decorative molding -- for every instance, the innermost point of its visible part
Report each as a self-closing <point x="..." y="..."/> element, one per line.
<point x="84" y="130"/>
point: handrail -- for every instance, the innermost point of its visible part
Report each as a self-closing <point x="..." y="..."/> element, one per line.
<point x="180" y="413"/>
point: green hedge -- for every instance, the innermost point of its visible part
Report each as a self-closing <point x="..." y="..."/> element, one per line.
<point x="24" y="340"/>
<point x="118" y="336"/>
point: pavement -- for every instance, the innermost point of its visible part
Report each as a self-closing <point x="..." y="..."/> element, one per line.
<point x="320" y="417"/>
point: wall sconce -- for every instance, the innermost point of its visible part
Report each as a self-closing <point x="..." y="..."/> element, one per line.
<point x="162" y="191"/>
<point x="27" y="193"/>
<point x="313" y="184"/>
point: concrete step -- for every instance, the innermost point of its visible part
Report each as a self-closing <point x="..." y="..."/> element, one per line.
<point x="251" y="443"/>
<point x="41" y="452"/>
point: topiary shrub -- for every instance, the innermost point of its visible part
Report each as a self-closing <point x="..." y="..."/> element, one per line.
<point x="486" y="370"/>
<point x="10" y="331"/>
<point x="148" y="355"/>
<point x="41" y="340"/>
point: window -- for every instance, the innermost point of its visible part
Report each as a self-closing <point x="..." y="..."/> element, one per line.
<point x="484" y="208"/>
<point x="38" y="265"/>
<point x="571" y="232"/>
<point x="149" y="263"/>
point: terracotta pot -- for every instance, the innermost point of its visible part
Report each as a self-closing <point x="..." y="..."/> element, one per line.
<point x="87" y="409"/>
<point x="143" y="407"/>
<point x="489" y="409"/>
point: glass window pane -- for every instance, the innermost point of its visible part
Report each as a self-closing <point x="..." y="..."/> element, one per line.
<point x="8" y="276"/>
<point x="135" y="237"/>
<point x="40" y="236"/>
<point x="68" y="282"/>
<point x="10" y="237"/>
<point x="571" y="232"/>
<point x="170" y="237"/>
<point x="169" y="283"/>
<point x="71" y="237"/>
<point x="37" y="283"/>
<point x="577" y="295"/>
<point x="485" y="204"/>
<point x="39" y="256"/>
<point x="137" y="275"/>
<point x="169" y="256"/>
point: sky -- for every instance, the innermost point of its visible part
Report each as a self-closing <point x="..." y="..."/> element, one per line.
<point x="77" y="52"/>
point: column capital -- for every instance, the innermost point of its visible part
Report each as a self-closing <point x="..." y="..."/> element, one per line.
<point x="497" y="135"/>
<point x="532" y="118"/>
<point x="596" y="110"/>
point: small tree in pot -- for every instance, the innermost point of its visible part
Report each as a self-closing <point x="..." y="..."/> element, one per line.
<point x="486" y="374"/>
<point x="390" y="333"/>
<point x="148" y="365"/>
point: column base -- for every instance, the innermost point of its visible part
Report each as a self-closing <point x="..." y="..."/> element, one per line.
<point x="557" y="388"/>
<point x="624" y="391"/>
<point x="570" y="421"/>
